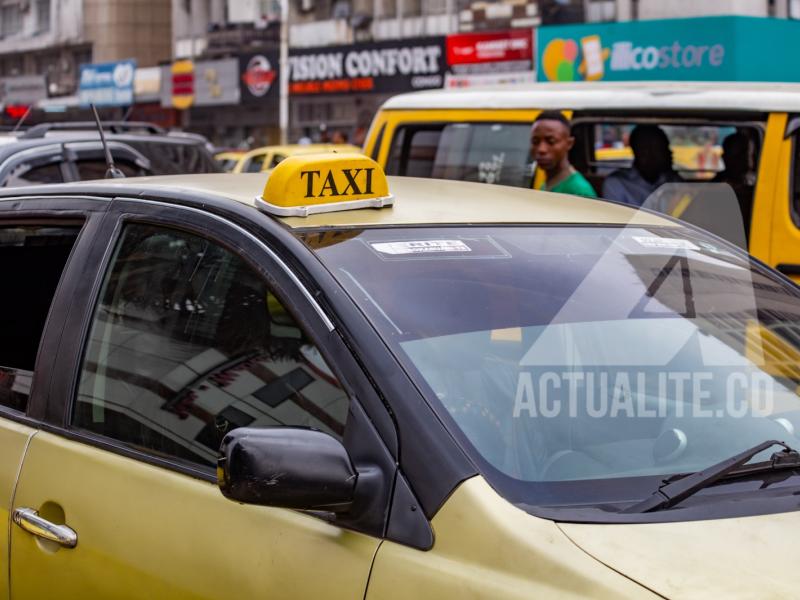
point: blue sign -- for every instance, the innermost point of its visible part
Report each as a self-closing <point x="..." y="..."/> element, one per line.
<point x="701" y="49"/>
<point x="107" y="84"/>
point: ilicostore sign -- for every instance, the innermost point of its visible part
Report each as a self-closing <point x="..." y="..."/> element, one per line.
<point x="380" y="67"/>
<point x="705" y="48"/>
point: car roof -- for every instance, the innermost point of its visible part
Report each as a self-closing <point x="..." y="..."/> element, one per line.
<point x="11" y="147"/>
<point x="304" y="148"/>
<point x="638" y="96"/>
<point x="417" y="201"/>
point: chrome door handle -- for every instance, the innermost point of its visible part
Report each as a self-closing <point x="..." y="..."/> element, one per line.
<point x="29" y="520"/>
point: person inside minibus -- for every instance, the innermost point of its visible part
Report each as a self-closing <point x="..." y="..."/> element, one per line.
<point x="652" y="167"/>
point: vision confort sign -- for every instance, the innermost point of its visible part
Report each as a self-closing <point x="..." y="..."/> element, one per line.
<point x="703" y="49"/>
<point x="378" y="67"/>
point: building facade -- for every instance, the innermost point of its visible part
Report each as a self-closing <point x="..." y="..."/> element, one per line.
<point x="52" y="38"/>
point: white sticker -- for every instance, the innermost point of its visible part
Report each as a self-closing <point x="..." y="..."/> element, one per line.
<point x="421" y="247"/>
<point x="716" y="250"/>
<point x="667" y="243"/>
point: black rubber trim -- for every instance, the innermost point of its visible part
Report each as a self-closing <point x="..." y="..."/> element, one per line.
<point x="788" y="268"/>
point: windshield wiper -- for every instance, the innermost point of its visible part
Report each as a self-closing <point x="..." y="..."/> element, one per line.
<point x="671" y="492"/>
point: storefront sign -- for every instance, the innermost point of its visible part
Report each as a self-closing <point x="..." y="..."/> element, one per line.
<point x="23" y="90"/>
<point x="493" y="58"/>
<point x="216" y="82"/>
<point x="181" y="85"/>
<point x="381" y="67"/>
<point x="515" y="45"/>
<point x="107" y="84"/>
<point x="703" y="48"/>
<point x="258" y="77"/>
<point x="147" y="84"/>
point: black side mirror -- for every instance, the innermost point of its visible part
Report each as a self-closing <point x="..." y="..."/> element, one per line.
<point x="287" y="467"/>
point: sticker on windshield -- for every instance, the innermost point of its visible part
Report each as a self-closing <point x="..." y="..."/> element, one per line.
<point x="462" y="248"/>
<point x="665" y="243"/>
<point x="421" y="247"/>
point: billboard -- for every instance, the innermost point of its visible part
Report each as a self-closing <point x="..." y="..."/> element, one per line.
<point x="490" y="58"/>
<point x="107" y="84"/>
<point x="700" y="49"/>
<point x="376" y="67"/>
<point x="258" y="77"/>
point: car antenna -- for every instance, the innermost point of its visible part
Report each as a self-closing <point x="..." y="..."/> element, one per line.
<point x="112" y="172"/>
<point x="22" y="119"/>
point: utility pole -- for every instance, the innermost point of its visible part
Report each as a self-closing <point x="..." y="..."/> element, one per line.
<point x="283" y="74"/>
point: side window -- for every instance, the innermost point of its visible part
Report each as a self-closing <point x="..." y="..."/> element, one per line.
<point x="795" y="181"/>
<point x="26" y="175"/>
<point x="413" y="151"/>
<point x="255" y="163"/>
<point x="276" y="160"/>
<point x="188" y="343"/>
<point x="32" y="259"/>
<point x="89" y="169"/>
<point x="484" y="152"/>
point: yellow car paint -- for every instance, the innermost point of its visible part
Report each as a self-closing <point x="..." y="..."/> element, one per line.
<point x="486" y="548"/>
<point x="14" y="439"/>
<point x="148" y="532"/>
<point x="270" y="156"/>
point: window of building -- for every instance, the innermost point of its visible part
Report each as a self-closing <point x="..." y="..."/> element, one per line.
<point x="188" y="343"/>
<point x="43" y="15"/>
<point x="10" y="20"/>
<point x="32" y="259"/>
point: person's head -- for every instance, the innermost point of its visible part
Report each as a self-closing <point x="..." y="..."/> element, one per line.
<point x="339" y="137"/>
<point x="736" y="153"/>
<point x="551" y="140"/>
<point x="651" y="154"/>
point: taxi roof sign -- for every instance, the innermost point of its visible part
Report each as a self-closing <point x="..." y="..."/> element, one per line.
<point x="315" y="183"/>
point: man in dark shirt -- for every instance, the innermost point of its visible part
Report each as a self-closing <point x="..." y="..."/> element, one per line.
<point x="652" y="168"/>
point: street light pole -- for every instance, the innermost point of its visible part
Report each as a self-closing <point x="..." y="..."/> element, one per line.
<point x="283" y="74"/>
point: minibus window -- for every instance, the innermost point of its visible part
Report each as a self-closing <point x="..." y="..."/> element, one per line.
<point x="481" y="152"/>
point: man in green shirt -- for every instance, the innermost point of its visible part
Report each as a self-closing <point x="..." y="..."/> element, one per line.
<point x="551" y="140"/>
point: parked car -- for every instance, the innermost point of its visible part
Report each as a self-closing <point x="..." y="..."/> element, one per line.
<point x="228" y="159"/>
<point x="63" y="152"/>
<point x="333" y="384"/>
<point x="266" y="158"/>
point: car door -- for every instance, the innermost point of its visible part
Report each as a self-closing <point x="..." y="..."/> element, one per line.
<point x="775" y="231"/>
<point x="184" y="335"/>
<point x="36" y="243"/>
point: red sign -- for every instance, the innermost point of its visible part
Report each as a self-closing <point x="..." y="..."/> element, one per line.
<point x="498" y="46"/>
<point x="258" y="75"/>
<point x="16" y="111"/>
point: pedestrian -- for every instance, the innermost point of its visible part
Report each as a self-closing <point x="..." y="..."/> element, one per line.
<point x="551" y="140"/>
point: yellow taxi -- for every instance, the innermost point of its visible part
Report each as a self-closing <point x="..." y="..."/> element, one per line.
<point x="263" y="160"/>
<point x="484" y="135"/>
<point x="229" y="159"/>
<point x="346" y="385"/>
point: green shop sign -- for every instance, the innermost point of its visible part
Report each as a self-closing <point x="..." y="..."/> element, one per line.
<point x="704" y="48"/>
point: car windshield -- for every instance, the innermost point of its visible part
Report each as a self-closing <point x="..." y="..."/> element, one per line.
<point x="564" y="356"/>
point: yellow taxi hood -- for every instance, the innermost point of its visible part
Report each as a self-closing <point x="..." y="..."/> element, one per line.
<point x="747" y="557"/>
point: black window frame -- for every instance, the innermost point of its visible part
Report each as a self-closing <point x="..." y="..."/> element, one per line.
<point x="82" y="212"/>
<point x="366" y="443"/>
<point x="794" y="180"/>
